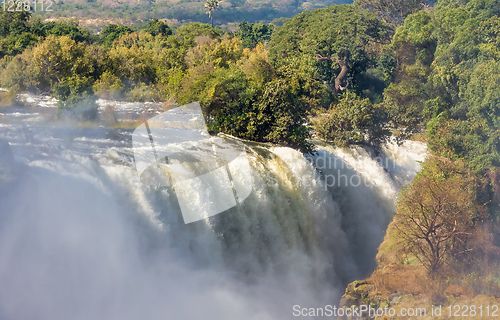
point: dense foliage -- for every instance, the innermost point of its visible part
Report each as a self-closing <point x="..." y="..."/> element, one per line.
<point x="253" y="33"/>
<point x="352" y="121"/>
<point x="446" y="84"/>
<point x="335" y="45"/>
<point x="348" y="74"/>
<point x="240" y="91"/>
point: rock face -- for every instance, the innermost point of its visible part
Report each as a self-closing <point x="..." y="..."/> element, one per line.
<point x="360" y="293"/>
<point x="356" y="293"/>
<point x="364" y="293"/>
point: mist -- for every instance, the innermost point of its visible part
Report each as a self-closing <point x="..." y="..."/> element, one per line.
<point x="82" y="238"/>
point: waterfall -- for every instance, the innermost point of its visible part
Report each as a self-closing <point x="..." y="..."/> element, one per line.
<point x="81" y="237"/>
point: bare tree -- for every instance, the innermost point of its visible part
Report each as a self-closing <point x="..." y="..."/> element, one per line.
<point x="437" y="214"/>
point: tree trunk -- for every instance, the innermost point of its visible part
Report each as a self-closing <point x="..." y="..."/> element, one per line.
<point x="344" y="69"/>
<point x="341" y="77"/>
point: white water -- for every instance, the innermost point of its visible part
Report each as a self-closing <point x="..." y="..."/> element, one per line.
<point x="82" y="238"/>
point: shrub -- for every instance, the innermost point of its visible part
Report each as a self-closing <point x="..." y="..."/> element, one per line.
<point x="76" y="98"/>
<point x="352" y="121"/>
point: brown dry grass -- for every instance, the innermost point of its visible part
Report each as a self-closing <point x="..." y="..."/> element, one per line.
<point x="400" y="278"/>
<point x="414" y="288"/>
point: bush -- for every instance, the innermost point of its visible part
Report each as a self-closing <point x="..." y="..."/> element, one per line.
<point x="113" y="32"/>
<point x="352" y="121"/>
<point x="253" y="33"/>
<point x="76" y="98"/>
<point x="108" y="86"/>
<point x="156" y="27"/>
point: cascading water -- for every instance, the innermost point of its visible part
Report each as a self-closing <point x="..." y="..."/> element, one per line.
<point x="82" y="238"/>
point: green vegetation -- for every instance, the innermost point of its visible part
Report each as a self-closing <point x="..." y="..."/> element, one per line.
<point x="113" y="32"/>
<point x="240" y="91"/>
<point x="253" y="33"/>
<point x="352" y="121"/>
<point x="76" y="97"/>
<point x="446" y="84"/>
<point x="335" y="45"/>
<point x="155" y="27"/>
<point x="348" y="74"/>
<point x="393" y="11"/>
<point x="15" y="33"/>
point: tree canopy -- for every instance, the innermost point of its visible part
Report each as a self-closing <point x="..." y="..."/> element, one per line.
<point x="335" y="44"/>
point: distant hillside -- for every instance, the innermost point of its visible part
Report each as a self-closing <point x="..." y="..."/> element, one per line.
<point x="97" y="14"/>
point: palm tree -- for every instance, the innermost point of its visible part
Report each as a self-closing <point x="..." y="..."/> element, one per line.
<point x="210" y="7"/>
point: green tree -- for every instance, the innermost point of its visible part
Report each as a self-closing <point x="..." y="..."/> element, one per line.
<point x="15" y="33"/>
<point x="69" y="28"/>
<point x="52" y="60"/>
<point x="210" y="7"/>
<point x="410" y="99"/>
<point x="463" y="82"/>
<point x="57" y="58"/>
<point x="76" y="98"/>
<point x="156" y="27"/>
<point x="404" y="102"/>
<point x="14" y="23"/>
<point x="134" y="63"/>
<point x="481" y="97"/>
<point x="113" y="32"/>
<point x="184" y="39"/>
<point x="336" y="42"/>
<point x="280" y="115"/>
<point x="243" y="96"/>
<point x="196" y="29"/>
<point x="108" y="86"/>
<point x="13" y="45"/>
<point x="392" y="11"/>
<point x="15" y="75"/>
<point x="415" y="41"/>
<point x="352" y="121"/>
<point x="253" y="33"/>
